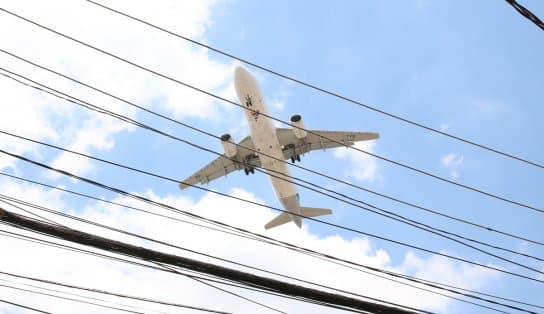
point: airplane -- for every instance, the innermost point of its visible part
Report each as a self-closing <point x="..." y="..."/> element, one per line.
<point x="267" y="147"/>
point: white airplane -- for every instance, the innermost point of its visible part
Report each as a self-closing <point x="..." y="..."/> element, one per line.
<point x="268" y="146"/>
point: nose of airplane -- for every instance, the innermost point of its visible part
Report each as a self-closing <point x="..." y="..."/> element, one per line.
<point x="241" y="74"/>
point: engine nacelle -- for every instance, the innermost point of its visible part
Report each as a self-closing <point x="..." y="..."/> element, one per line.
<point x="229" y="147"/>
<point x="298" y="126"/>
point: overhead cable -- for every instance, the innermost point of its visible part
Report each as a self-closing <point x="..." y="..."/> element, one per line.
<point x="379" y="211"/>
<point x="324" y="257"/>
<point x="110" y="293"/>
<point x="432" y="211"/>
<point x="170" y="259"/>
<point x="325" y="91"/>
<point x="277" y="209"/>
<point x="388" y="214"/>
<point x="24" y="306"/>
<point x="526" y="13"/>
<point x="400" y="164"/>
<point x="177" y="246"/>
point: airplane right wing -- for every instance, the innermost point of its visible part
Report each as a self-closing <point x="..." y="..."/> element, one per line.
<point x="221" y="166"/>
<point x="317" y="139"/>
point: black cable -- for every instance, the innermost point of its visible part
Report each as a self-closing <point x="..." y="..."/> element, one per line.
<point x="526" y="13"/>
<point x="132" y="121"/>
<point x="24" y="306"/>
<point x="118" y="259"/>
<point x="12" y="284"/>
<point x="225" y="291"/>
<point x="488" y="194"/>
<point x="328" y="92"/>
<point x="388" y="214"/>
<point x="48" y="210"/>
<point x="262" y="205"/>
<point x="142" y="253"/>
<point x="110" y="293"/>
<point x="72" y="299"/>
<point x="183" y="248"/>
<point x="321" y="256"/>
<point x="251" y="149"/>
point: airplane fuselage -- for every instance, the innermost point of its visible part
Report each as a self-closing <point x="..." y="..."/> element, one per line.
<point x="266" y="142"/>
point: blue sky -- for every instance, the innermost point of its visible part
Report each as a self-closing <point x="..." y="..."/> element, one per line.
<point x="469" y="68"/>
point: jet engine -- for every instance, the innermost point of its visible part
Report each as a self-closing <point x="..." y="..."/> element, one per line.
<point x="229" y="147"/>
<point x="298" y="126"/>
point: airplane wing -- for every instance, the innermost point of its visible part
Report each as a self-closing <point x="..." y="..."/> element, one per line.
<point x="222" y="165"/>
<point x="293" y="146"/>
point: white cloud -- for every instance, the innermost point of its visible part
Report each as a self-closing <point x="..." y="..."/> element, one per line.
<point x="452" y="162"/>
<point x="33" y="114"/>
<point x="360" y="166"/>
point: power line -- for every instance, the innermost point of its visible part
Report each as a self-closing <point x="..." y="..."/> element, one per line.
<point x="196" y="278"/>
<point x="389" y="213"/>
<point x="382" y="212"/>
<point x="324" y="257"/>
<point x="170" y="259"/>
<point x="325" y="91"/>
<point x="277" y="209"/>
<point x="110" y="293"/>
<point x="175" y="246"/>
<point x="71" y="299"/>
<point x="24" y="306"/>
<point x="192" y="277"/>
<point x="487" y="228"/>
<point x="69" y="100"/>
<point x="184" y="273"/>
<point x="437" y="177"/>
<point x="526" y="13"/>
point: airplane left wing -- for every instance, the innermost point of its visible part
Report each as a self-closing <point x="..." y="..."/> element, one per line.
<point x="317" y="139"/>
<point x="223" y="165"/>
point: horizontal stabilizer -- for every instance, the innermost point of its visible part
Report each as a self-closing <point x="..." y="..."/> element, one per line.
<point x="279" y="220"/>
<point x="304" y="211"/>
<point x="314" y="212"/>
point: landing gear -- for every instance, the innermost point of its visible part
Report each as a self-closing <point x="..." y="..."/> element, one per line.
<point x="295" y="158"/>
<point x="247" y="167"/>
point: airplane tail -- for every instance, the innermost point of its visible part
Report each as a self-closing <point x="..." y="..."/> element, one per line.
<point x="286" y="217"/>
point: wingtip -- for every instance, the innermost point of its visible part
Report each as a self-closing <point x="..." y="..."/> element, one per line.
<point x="183" y="185"/>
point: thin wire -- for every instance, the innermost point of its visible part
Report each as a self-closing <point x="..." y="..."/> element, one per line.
<point x="72" y="299"/>
<point x="15" y="285"/>
<point x="488" y="194"/>
<point x="24" y="306"/>
<point x="244" y="283"/>
<point x="104" y="292"/>
<point x="309" y="218"/>
<point x="193" y="277"/>
<point x="182" y="248"/>
<point x="380" y="211"/>
<point x="29" y="212"/>
<point x="321" y="256"/>
<point x="283" y="161"/>
<point x="224" y="290"/>
<point x="389" y="213"/>
<point x="328" y="92"/>
<point x="526" y="13"/>
<point x="315" y="254"/>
